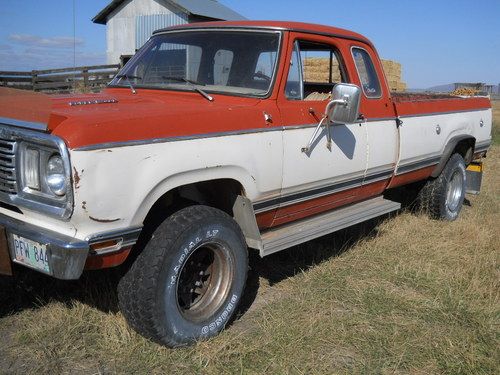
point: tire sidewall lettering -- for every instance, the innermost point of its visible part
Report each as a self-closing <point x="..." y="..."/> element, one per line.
<point x="222" y="317"/>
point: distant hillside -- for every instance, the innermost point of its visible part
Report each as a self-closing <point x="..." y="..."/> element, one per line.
<point x="443" y="88"/>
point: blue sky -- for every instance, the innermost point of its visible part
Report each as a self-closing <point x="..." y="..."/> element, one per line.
<point x="437" y="42"/>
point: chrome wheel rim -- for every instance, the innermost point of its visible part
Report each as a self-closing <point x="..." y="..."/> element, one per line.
<point x="454" y="191"/>
<point x="204" y="281"/>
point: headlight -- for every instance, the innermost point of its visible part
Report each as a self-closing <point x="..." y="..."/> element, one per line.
<point x="55" y="176"/>
<point x="44" y="175"/>
<point x="42" y="171"/>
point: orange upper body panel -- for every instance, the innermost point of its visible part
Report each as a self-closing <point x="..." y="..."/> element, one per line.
<point x="149" y="114"/>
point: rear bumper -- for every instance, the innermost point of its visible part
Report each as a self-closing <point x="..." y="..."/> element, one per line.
<point x="67" y="254"/>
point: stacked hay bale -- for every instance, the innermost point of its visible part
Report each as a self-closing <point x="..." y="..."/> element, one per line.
<point x="392" y="71"/>
<point x="465" y="91"/>
<point x="316" y="69"/>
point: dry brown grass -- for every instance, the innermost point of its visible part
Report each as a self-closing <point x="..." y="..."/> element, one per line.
<point x="495" y="104"/>
<point x="401" y="295"/>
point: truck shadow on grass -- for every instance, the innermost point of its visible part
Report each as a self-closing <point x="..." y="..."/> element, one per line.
<point x="288" y="263"/>
<point x="32" y="290"/>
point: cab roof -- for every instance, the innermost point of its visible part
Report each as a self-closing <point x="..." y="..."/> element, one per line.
<point x="274" y="25"/>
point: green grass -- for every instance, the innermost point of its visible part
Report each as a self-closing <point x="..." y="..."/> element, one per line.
<point x="402" y="295"/>
<point x="495" y="104"/>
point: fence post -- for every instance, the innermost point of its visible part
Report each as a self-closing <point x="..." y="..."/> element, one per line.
<point x="85" y="72"/>
<point x="33" y="79"/>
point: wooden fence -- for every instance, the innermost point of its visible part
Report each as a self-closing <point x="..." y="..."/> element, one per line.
<point x="63" y="80"/>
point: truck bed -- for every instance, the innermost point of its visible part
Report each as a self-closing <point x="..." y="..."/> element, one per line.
<point x="414" y="104"/>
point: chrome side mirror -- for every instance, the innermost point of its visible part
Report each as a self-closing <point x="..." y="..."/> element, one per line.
<point x="344" y="106"/>
<point x="343" y="109"/>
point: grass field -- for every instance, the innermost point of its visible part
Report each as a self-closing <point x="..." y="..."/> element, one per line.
<point x="496" y="121"/>
<point x="403" y="295"/>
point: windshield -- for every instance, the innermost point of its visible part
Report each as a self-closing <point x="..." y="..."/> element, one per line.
<point x="234" y="62"/>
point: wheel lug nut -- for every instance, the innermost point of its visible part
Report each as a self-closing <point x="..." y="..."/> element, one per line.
<point x="202" y="273"/>
<point x="198" y="283"/>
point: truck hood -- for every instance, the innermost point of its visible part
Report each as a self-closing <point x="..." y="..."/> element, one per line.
<point x="25" y="108"/>
<point x="119" y="116"/>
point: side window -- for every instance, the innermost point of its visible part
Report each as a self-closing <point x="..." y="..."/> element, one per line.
<point x="294" y="84"/>
<point x="321" y="66"/>
<point x="367" y="73"/>
<point x="315" y="69"/>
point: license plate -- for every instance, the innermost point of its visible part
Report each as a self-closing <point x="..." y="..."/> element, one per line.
<point x="30" y="253"/>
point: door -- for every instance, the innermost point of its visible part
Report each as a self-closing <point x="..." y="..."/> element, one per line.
<point x="380" y="121"/>
<point x="323" y="177"/>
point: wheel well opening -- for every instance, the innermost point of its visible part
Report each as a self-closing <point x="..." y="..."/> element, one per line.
<point x="219" y="194"/>
<point x="466" y="149"/>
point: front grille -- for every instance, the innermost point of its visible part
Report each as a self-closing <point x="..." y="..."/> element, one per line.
<point x="8" y="182"/>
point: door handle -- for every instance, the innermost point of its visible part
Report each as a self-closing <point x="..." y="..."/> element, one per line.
<point x="313" y="113"/>
<point x="268" y="118"/>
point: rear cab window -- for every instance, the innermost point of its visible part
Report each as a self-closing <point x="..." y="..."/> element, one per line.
<point x="367" y="73"/>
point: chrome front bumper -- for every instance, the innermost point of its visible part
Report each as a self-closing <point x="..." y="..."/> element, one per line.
<point x="67" y="254"/>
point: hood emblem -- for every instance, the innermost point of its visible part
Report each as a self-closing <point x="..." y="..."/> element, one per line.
<point x="94" y="101"/>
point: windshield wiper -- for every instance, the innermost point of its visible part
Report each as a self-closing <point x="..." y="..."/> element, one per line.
<point x="129" y="77"/>
<point x="192" y="84"/>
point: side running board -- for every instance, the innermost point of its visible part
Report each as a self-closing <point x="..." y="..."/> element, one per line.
<point x="304" y="230"/>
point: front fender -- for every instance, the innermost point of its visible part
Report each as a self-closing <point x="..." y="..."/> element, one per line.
<point x="171" y="182"/>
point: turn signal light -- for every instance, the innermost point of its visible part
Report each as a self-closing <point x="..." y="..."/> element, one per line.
<point x="106" y="246"/>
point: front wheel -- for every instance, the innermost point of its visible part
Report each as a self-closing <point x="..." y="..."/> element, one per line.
<point x="186" y="284"/>
<point x="443" y="196"/>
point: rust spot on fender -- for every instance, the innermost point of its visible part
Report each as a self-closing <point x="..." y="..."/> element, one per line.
<point x="103" y="220"/>
<point x="76" y="178"/>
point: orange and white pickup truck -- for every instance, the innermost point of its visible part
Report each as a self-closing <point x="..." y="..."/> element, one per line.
<point x="213" y="139"/>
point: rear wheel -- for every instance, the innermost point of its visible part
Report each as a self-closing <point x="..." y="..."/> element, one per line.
<point x="186" y="284"/>
<point x="443" y="197"/>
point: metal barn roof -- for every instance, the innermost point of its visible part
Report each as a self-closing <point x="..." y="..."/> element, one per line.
<point x="202" y="8"/>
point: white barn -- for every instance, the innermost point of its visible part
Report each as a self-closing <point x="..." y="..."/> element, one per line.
<point x="129" y="23"/>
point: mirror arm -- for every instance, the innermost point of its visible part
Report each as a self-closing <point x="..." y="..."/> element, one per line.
<point x="313" y="137"/>
<point x="345" y="102"/>
<point x="328" y="136"/>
